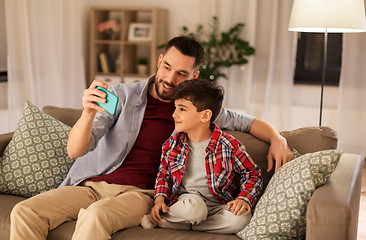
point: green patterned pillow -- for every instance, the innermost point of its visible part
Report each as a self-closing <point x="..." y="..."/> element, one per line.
<point x="281" y="211"/>
<point x="36" y="159"/>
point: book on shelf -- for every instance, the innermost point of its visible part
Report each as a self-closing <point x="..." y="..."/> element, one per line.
<point x="103" y="62"/>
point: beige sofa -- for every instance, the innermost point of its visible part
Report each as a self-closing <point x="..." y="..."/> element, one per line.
<point x="332" y="212"/>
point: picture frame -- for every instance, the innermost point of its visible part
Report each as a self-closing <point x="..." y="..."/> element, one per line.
<point x="139" y="32"/>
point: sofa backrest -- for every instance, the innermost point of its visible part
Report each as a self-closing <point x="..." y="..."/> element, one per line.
<point x="304" y="140"/>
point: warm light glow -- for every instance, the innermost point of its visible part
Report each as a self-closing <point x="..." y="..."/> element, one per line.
<point x="333" y="16"/>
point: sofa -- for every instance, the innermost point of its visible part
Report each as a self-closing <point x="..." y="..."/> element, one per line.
<point x="331" y="213"/>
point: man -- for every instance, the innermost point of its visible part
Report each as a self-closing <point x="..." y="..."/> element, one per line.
<point x="110" y="185"/>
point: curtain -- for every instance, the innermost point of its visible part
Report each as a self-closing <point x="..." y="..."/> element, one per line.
<point x="263" y="87"/>
<point x="352" y="95"/>
<point x="45" y="61"/>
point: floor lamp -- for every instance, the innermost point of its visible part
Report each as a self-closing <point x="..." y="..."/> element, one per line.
<point x="327" y="16"/>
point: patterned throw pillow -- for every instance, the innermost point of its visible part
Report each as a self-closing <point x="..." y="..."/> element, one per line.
<point x="281" y="211"/>
<point x="36" y="159"/>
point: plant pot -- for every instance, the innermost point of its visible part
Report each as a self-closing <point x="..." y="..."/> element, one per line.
<point x="142" y="69"/>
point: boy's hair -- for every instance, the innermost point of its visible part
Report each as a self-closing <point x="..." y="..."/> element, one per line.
<point x="202" y="93"/>
<point x="187" y="46"/>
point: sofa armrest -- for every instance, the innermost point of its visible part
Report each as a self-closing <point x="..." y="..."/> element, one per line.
<point x="332" y="212"/>
<point x="4" y="140"/>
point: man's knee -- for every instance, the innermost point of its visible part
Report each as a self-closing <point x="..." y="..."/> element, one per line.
<point x="16" y="211"/>
<point x="20" y="210"/>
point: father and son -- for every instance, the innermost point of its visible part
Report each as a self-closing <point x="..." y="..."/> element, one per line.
<point x="166" y="134"/>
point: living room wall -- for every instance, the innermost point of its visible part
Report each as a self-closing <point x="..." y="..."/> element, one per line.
<point x="305" y="108"/>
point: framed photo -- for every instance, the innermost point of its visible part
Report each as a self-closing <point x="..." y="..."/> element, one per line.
<point x="139" y="32"/>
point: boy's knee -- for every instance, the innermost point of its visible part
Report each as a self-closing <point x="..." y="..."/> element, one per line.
<point x="238" y="222"/>
<point x="195" y="209"/>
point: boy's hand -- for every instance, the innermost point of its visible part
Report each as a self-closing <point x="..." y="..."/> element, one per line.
<point x="155" y="210"/>
<point x="239" y="206"/>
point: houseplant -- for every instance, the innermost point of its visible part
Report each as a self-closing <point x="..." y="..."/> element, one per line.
<point x="142" y="65"/>
<point x="110" y="28"/>
<point x="222" y="50"/>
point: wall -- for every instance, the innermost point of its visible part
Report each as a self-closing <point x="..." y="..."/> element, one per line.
<point x="306" y="101"/>
<point x="3" y="48"/>
<point x="4" y="126"/>
<point x="305" y="110"/>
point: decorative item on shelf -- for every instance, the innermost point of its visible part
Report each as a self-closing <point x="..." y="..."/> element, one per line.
<point x="118" y="64"/>
<point x="222" y="50"/>
<point x="142" y="66"/>
<point x="139" y="32"/>
<point x="326" y="16"/>
<point x="103" y="62"/>
<point x="134" y="79"/>
<point x="110" y="28"/>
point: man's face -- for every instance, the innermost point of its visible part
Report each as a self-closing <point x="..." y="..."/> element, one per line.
<point x="173" y="68"/>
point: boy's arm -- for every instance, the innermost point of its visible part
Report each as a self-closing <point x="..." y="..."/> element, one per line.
<point x="251" y="177"/>
<point x="162" y="186"/>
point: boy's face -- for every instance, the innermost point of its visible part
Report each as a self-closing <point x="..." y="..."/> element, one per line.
<point x="173" y="68"/>
<point x="186" y="117"/>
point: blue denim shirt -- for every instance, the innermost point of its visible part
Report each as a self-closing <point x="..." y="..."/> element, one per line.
<point x="114" y="135"/>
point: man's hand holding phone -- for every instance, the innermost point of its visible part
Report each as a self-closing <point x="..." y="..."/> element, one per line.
<point x="98" y="98"/>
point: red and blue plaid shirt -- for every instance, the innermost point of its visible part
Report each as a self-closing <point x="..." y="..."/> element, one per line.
<point x="231" y="173"/>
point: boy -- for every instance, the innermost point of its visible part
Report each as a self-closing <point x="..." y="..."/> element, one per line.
<point x="205" y="175"/>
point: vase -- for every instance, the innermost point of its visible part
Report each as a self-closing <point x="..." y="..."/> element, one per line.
<point x="142" y="69"/>
<point x="111" y="35"/>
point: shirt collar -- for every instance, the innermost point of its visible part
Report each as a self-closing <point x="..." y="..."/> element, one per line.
<point x="216" y="135"/>
<point x="143" y="95"/>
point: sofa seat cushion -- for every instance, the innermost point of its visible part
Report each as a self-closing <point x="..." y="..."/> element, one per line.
<point x="138" y="233"/>
<point x="7" y="202"/>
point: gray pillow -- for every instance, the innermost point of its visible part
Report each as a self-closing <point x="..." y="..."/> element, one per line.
<point x="281" y="211"/>
<point x="36" y="159"/>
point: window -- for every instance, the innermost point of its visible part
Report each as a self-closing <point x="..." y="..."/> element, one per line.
<point x="3" y="76"/>
<point x="309" y="59"/>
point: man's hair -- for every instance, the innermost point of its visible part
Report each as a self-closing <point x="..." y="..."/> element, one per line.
<point x="202" y="93"/>
<point x="187" y="46"/>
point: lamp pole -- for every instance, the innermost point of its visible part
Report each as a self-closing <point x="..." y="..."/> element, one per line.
<point x="323" y="73"/>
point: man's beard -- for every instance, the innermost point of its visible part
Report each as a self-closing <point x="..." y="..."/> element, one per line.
<point x="161" y="95"/>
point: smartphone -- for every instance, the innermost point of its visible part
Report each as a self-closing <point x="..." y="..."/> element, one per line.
<point x="112" y="100"/>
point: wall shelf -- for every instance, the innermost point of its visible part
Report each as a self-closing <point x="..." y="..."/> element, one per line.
<point x="121" y="52"/>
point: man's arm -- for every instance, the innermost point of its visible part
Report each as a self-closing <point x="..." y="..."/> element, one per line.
<point x="278" y="150"/>
<point x="79" y="136"/>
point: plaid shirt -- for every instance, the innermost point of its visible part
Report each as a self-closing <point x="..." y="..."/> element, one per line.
<point x="231" y="173"/>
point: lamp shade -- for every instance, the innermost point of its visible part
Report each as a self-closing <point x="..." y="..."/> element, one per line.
<point x="335" y="16"/>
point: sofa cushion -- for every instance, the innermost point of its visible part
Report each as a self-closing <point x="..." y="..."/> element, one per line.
<point x="281" y="211"/>
<point x="7" y="202"/>
<point x="36" y="159"/>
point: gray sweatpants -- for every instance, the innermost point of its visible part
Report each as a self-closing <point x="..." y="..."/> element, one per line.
<point x="191" y="211"/>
